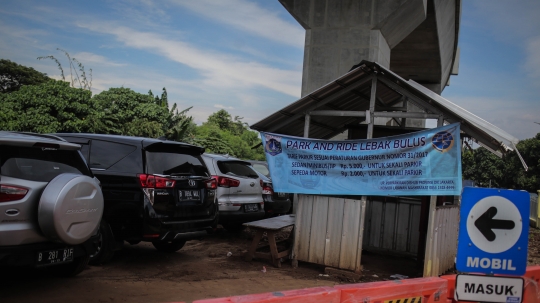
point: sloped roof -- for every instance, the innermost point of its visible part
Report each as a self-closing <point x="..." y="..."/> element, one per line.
<point x="351" y="92"/>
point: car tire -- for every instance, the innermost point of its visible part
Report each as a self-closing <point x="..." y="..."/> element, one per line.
<point x="169" y="246"/>
<point x="104" y="245"/>
<point x="72" y="269"/>
<point x="234" y="227"/>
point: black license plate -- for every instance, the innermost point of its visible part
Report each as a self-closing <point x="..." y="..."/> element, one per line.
<point x="189" y="195"/>
<point x="251" y="208"/>
<point x="55" y="256"/>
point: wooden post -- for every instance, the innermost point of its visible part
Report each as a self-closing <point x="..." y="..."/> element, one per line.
<point x="306" y="126"/>
<point x="295" y="203"/>
<point x="429" y="257"/>
<point x="363" y="200"/>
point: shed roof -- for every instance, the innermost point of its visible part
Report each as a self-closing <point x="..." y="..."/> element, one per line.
<point x="351" y="92"/>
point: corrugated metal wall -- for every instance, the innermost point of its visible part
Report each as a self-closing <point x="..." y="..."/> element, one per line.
<point x="328" y="231"/>
<point x="441" y="254"/>
<point x="392" y="224"/>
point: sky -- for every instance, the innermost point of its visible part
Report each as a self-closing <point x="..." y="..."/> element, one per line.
<point x="246" y="56"/>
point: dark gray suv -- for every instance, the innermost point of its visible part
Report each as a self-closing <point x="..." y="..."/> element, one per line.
<point x="50" y="204"/>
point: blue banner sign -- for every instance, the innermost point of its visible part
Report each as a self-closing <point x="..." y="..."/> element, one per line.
<point x="423" y="163"/>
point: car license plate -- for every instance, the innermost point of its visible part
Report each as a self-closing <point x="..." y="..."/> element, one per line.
<point x="251" y="208"/>
<point x="55" y="256"/>
<point x="189" y="195"/>
<point x="282" y="194"/>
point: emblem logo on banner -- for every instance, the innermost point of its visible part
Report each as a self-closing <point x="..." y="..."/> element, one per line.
<point x="443" y="141"/>
<point x="273" y="145"/>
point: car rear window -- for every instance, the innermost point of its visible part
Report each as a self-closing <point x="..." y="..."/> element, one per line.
<point x="237" y="168"/>
<point x="262" y="169"/>
<point x="174" y="163"/>
<point x="37" y="164"/>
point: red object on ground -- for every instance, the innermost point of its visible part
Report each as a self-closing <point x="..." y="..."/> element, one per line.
<point x="307" y="295"/>
<point x="431" y="290"/>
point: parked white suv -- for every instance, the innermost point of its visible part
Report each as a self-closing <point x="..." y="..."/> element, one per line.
<point x="239" y="192"/>
<point x="50" y="204"/>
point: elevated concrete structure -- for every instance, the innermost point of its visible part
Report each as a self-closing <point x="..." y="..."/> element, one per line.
<point x="416" y="39"/>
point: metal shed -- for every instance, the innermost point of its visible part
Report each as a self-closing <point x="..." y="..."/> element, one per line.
<point x="370" y="101"/>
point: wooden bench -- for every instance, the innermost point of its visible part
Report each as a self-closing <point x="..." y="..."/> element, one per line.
<point x="269" y="226"/>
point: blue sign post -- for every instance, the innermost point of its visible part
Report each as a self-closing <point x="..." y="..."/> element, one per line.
<point x="493" y="231"/>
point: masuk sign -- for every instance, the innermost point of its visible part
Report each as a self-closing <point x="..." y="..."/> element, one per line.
<point x="493" y="239"/>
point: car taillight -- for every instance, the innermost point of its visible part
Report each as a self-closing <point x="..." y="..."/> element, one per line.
<point x="261" y="182"/>
<point x="267" y="190"/>
<point x="211" y="184"/>
<point x="151" y="181"/>
<point x="12" y="193"/>
<point x="226" y="182"/>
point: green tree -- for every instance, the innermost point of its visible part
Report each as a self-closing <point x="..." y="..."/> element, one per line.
<point x="223" y="135"/>
<point x="52" y="106"/>
<point x="13" y="76"/>
<point x="516" y="176"/>
<point x="131" y="113"/>
<point x="485" y="168"/>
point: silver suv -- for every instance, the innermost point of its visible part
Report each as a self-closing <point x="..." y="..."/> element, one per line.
<point x="50" y="204"/>
<point x="239" y="192"/>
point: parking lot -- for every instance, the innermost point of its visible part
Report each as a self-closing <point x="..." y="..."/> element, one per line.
<point x="139" y="273"/>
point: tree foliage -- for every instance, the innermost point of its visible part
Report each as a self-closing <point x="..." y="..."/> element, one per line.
<point x="487" y="169"/>
<point x="224" y="135"/>
<point x="13" y="76"/>
<point x="52" y="106"/>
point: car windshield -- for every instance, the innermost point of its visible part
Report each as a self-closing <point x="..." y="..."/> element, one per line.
<point x="236" y="168"/>
<point x="175" y="164"/>
<point x="40" y="164"/>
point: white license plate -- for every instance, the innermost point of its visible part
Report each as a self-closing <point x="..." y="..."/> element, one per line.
<point x="189" y="195"/>
<point x="251" y="208"/>
<point x="282" y="194"/>
<point x="55" y="256"/>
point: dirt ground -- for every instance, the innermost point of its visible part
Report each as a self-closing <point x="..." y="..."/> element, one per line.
<point x="200" y="270"/>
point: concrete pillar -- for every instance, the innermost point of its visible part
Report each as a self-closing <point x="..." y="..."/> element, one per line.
<point x="341" y="33"/>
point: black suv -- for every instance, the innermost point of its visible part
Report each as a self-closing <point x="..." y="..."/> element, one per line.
<point x="50" y="204"/>
<point x="155" y="190"/>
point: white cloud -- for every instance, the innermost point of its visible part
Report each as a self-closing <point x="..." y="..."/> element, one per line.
<point x="248" y="17"/>
<point x="532" y="62"/>
<point x="503" y="113"/>
<point x="85" y="57"/>
<point x="223" y="106"/>
<point x="218" y="69"/>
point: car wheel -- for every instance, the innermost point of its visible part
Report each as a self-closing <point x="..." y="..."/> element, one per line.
<point x="104" y="245"/>
<point x="234" y="227"/>
<point x="169" y="246"/>
<point x="72" y="269"/>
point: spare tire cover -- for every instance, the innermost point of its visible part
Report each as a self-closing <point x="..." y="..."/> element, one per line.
<point x="70" y="208"/>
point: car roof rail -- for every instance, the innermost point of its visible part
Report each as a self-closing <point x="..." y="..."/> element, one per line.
<point x="46" y="136"/>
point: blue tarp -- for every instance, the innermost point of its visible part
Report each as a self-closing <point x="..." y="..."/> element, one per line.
<point x="423" y="163"/>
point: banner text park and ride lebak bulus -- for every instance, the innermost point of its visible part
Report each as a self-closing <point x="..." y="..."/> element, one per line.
<point x="424" y="163"/>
